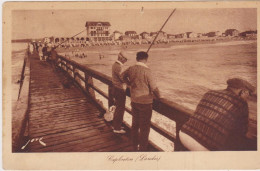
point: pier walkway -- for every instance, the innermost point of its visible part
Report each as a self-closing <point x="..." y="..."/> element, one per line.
<point x="64" y="119"/>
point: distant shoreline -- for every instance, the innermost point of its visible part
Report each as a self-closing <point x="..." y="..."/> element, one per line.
<point x="144" y="46"/>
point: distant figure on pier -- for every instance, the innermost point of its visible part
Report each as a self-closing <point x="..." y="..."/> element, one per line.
<point x="101" y="55"/>
<point x="44" y="52"/>
<point x="49" y="49"/>
<point x="30" y="48"/>
<point x="40" y="52"/>
<point x="119" y="89"/>
<point x="220" y="121"/>
<point x="142" y="89"/>
<point x="53" y="58"/>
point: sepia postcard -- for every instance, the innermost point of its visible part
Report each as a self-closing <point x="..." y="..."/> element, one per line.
<point x="130" y="85"/>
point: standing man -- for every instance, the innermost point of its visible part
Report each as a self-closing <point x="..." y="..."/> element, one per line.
<point x="119" y="93"/>
<point x="142" y="88"/>
<point x="40" y="52"/>
<point x="220" y="121"/>
<point x="53" y="58"/>
<point x="44" y="52"/>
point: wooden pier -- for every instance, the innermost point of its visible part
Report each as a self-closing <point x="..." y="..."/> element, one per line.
<point x="58" y="117"/>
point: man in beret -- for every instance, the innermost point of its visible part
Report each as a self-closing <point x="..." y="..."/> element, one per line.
<point x="119" y="92"/>
<point x="220" y="121"/>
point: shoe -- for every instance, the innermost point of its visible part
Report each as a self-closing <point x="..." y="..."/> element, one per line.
<point x="114" y="128"/>
<point x="119" y="131"/>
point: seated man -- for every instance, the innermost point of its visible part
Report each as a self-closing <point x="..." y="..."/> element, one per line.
<point x="220" y="121"/>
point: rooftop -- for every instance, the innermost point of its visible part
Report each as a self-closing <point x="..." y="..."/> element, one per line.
<point x="95" y="23"/>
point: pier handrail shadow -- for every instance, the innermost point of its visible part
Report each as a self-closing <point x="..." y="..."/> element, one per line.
<point x="83" y="77"/>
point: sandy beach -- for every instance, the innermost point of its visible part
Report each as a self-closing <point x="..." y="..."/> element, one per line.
<point x="145" y="46"/>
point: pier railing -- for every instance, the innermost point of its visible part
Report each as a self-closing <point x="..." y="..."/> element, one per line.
<point x="83" y="77"/>
<point x="19" y="116"/>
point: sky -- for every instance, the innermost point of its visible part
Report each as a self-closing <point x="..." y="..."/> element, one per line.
<point x="45" y="23"/>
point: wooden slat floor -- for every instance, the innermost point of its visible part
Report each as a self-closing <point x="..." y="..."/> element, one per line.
<point x="63" y="119"/>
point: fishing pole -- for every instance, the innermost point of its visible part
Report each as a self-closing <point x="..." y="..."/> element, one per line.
<point x="160" y="30"/>
<point x="68" y="39"/>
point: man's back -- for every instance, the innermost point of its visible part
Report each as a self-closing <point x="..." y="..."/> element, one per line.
<point x="220" y="119"/>
<point x="141" y="83"/>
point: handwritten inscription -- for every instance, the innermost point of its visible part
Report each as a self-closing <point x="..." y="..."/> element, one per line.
<point x="139" y="158"/>
<point x="34" y="140"/>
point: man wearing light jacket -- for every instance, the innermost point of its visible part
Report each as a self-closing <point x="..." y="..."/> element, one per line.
<point x="142" y="89"/>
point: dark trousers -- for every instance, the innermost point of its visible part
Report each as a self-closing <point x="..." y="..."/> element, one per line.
<point x="120" y="98"/>
<point x="141" y="124"/>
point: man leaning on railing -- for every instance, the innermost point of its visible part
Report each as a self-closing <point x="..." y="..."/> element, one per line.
<point x="53" y="57"/>
<point x="119" y="92"/>
<point x="220" y="121"/>
<point x="142" y="89"/>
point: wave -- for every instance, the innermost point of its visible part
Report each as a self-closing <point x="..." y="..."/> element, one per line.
<point x="230" y="43"/>
<point x="18" y="46"/>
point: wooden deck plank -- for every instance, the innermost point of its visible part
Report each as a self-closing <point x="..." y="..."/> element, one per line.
<point x="65" y="127"/>
<point x="98" y="124"/>
<point x="50" y="138"/>
<point x="63" y="119"/>
<point x="57" y="105"/>
<point x="65" y="116"/>
<point x="58" y="98"/>
<point x="74" y="145"/>
<point x="91" y="143"/>
<point x="42" y="117"/>
<point x="83" y="105"/>
<point x="58" y="125"/>
<point x="68" y="138"/>
<point x="70" y="107"/>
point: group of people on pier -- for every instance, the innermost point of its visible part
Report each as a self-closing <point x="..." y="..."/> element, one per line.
<point x="43" y="49"/>
<point x="46" y="52"/>
<point x="219" y="123"/>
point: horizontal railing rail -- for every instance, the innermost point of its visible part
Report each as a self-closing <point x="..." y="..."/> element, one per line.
<point x="83" y="76"/>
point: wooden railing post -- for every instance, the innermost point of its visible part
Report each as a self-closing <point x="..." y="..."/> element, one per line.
<point x="75" y="76"/>
<point x="73" y="72"/>
<point x="88" y="83"/>
<point x="177" y="146"/>
<point x="110" y="96"/>
<point x="70" y="72"/>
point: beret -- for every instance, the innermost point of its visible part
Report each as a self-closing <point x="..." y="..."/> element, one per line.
<point x="240" y="83"/>
<point x="123" y="54"/>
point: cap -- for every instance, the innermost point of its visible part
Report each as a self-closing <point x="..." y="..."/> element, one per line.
<point x="122" y="54"/>
<point x="240" y="83"/>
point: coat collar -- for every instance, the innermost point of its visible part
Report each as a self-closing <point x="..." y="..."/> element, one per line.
<point x="141" y="64"/>
<point x="119" y="62"/>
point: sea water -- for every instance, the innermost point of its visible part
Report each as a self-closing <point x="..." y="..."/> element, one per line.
<point x="184" y="73"/>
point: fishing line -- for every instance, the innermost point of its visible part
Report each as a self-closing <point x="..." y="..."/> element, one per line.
<point x="70" y="38"/>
